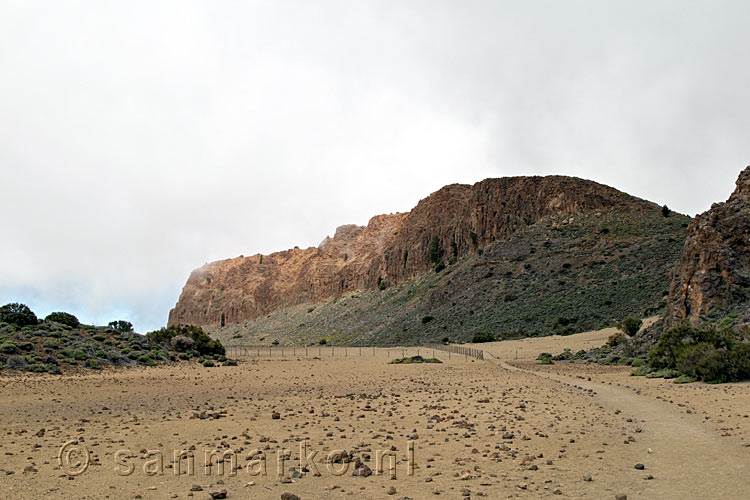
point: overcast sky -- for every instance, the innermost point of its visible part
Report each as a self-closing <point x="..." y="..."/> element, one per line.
<point x="141" y="139"/>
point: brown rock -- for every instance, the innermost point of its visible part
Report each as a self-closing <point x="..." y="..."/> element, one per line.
<point x="393" y="248"/>
<point x="715" y="263"/>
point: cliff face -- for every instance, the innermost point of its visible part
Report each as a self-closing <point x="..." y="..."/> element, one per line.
<point x="391" y="249"/>
<point x="713" y="275"/>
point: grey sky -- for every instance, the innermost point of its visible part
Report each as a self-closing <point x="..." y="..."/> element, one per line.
<point x="141" y="139"/>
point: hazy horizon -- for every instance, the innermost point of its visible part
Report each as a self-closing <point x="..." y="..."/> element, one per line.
<point x="141" y="140"/>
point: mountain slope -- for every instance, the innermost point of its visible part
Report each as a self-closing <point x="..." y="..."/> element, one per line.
<point x="562" y="274"/>
<point x="450" y="226"/>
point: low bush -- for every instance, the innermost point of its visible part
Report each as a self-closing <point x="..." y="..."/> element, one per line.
<point x="146" y="360"/>
<point x="480" y="337"/>
<point x="202" y="343"/>
<point x="663" y="373"/>
<point x="617" y="339"/>
<point x="414" y="359"/>
<point x="63" y="318"/>
<point x="545" y="358"/>
<point x="629" y="326"/>
<point x="16" y="362"/>
<point x="708" y="353"/>
<point x="9" y="348"/>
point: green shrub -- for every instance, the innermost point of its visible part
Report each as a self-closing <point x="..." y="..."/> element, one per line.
<point x="738" y="362"/>
<point x="684" y="379"/>
<point x="63" y="318"/>
<point x="641" y="371"/>
<point x="436" y="252"/>
<point x="229" y="362"/>
<point x="566" y="355"/>
<point x="617" y="339"/>
<point x="480" y="337"/>
<point x="146" y="360"/>
<point x="9" y="348"/>
<point x="629" y="326"/>
<point x="93" y="364"/>
<point x="381" y="284"/>
<point x="37" y="368"/>
<point x="121" y="326"/>
<point x="545" y="358"/>
<point x="638" y="362"/>
<point x="202" y="343"/>
<point x="17" y="314"/>
<point x="25" y="346"/>
<point x="79" y="355"/>
<point x="413" y="360"/>
<point x="663" y="373"/>
<point x="208" y="363"/>
<point x="50" y="343"/>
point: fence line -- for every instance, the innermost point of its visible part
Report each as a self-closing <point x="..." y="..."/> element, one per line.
<point x="242" y="350"/>
<point x="460" y="350"/>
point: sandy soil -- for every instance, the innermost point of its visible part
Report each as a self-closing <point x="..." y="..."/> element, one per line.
<point x="478" y="429"/>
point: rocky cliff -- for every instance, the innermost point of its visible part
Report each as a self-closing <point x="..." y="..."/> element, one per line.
<point x="712" y="278"/>
<point x="394" y="249"/>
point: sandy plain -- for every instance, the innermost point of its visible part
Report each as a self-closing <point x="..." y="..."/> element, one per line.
<point x="503" y="427"/>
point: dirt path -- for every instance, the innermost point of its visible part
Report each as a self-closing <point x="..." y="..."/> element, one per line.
<point x="688" y="460"/>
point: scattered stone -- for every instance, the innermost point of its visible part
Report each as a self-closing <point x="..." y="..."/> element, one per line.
<point x="362" y="471"/>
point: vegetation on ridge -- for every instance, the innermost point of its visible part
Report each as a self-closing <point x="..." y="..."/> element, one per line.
<point x="561" y="275"/>
<point x="60" y="342"/>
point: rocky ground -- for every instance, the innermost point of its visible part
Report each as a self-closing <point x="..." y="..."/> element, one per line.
<point x="498" y="428"/>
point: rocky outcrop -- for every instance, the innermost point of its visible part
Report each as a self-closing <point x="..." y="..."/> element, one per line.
<point x="390" y="250"/>
<point x="713" y="275"/>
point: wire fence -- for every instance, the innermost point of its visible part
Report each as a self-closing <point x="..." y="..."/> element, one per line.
<point x="438" y="351"/>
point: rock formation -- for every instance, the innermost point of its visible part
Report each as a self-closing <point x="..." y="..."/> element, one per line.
<point x="712" y="277"/>
<point x="391" y="249"/>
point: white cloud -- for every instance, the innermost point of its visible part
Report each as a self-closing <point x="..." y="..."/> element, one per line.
<point x="139" y="140"/>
